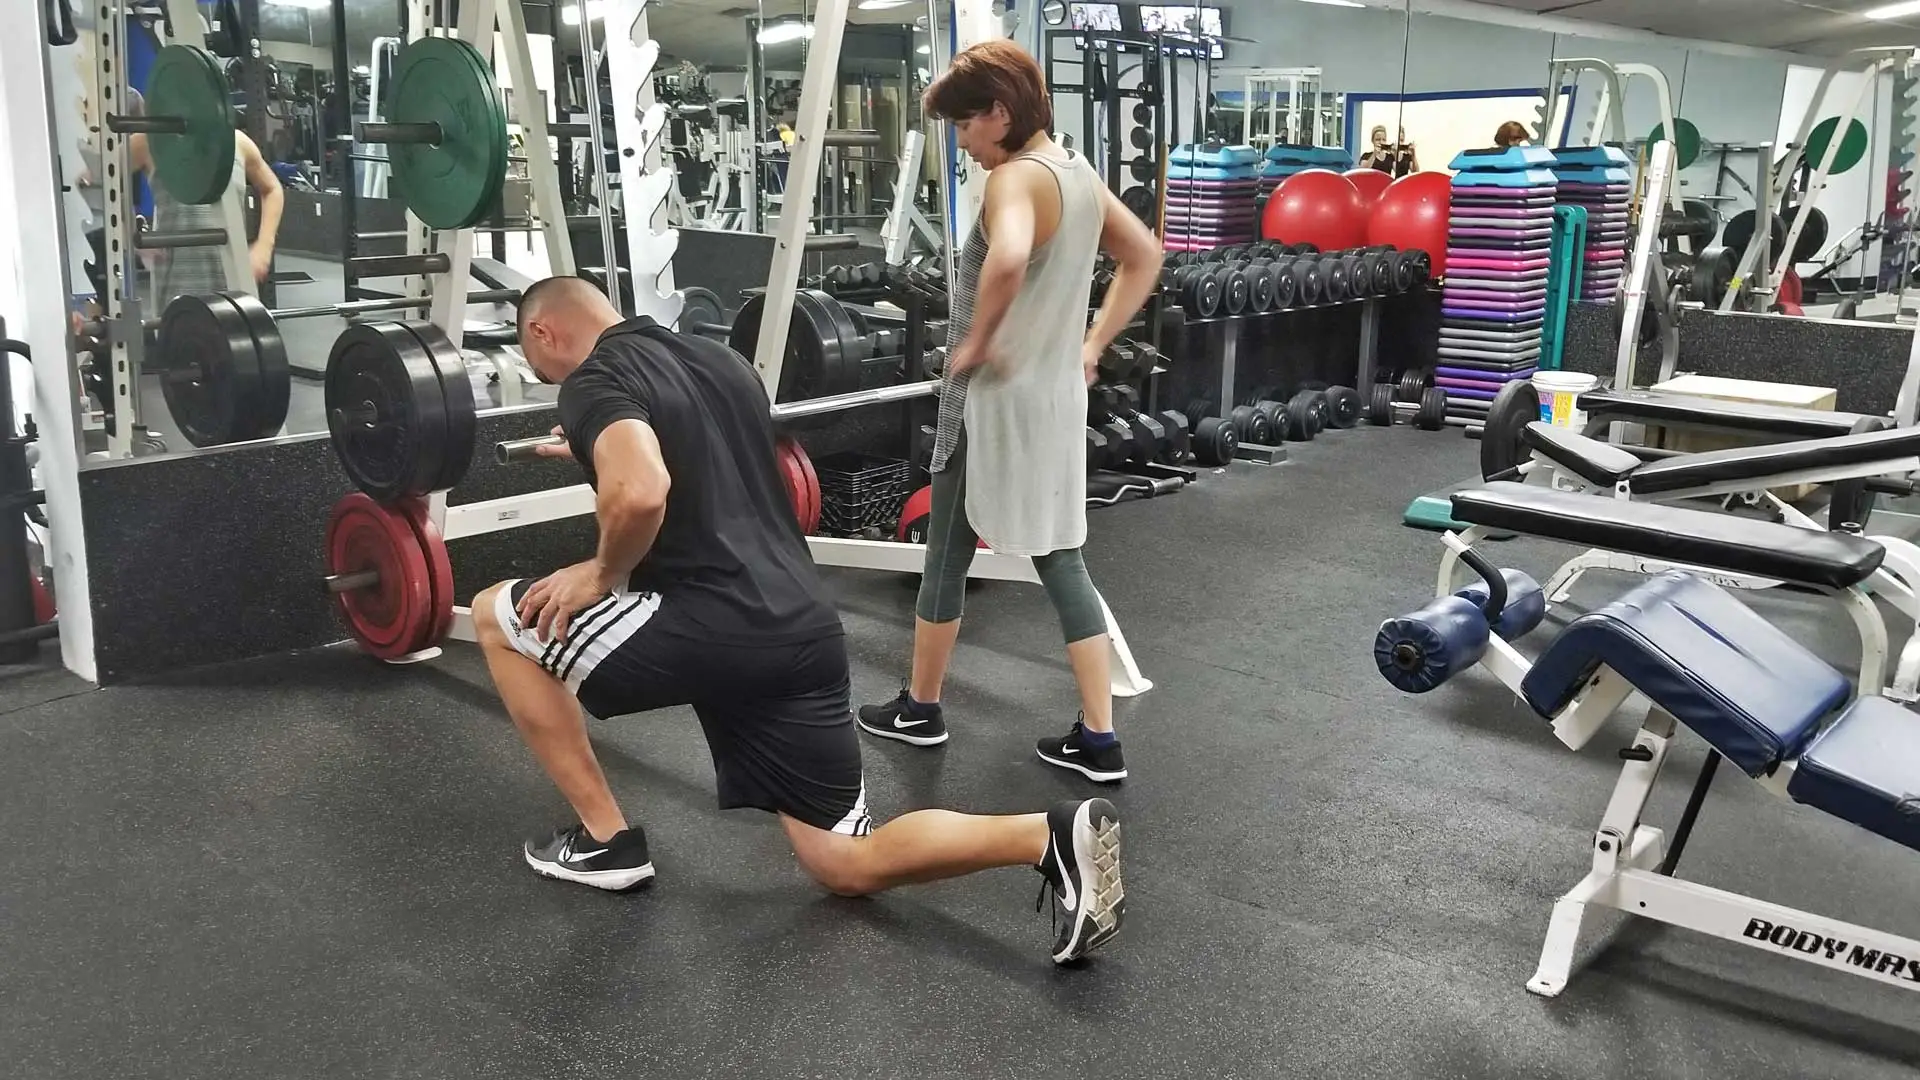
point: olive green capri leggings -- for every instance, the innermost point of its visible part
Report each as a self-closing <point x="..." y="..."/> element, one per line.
<point x="951" y="543"/>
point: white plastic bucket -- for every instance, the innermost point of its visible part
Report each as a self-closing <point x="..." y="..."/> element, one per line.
<point x="1560" y="396"/>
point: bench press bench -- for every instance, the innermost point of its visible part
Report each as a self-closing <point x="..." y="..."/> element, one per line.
<point x="1651" y="538"/>
<point x="1760" y="700"/>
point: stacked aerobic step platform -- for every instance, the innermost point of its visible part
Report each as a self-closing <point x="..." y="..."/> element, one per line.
<point x="1210" y="192"/>
<point x="1284" y="160"/>
<point x="1499" y="232"/>
<point x="1599" y="178"/>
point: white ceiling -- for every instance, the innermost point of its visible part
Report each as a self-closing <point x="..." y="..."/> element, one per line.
<point x="713" y="32"/>
<point x="1819" y="27"/>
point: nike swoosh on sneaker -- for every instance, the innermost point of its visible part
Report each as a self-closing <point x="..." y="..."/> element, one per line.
<point x="567" y="854"/>
<point x="1067" y="892"/>
<point x="1069" y="749"/>
<point x="904" y="723"/>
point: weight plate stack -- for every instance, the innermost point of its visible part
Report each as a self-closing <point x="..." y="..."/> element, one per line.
<point x="1413" y="383"/>
<point x="1433" y="410"/>
<point x="1380" y="408"/>
<point x="387" y="412"/>
<point x="396" y="615"/>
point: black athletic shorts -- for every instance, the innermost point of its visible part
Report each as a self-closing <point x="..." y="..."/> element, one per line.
<point x="778" y="718"/>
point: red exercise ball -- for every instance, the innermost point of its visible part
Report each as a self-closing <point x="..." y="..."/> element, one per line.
<point x="1412" y="216"/>
<point x="1371" y="182"/>
<point x="1318" y="207"/>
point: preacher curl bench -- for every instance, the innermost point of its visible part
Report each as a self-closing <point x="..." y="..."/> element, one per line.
<point x="1760" y="700"/>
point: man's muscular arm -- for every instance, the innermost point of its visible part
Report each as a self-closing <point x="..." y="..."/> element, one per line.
<point x="630" y="504"/>
<point x="632" y="498"/>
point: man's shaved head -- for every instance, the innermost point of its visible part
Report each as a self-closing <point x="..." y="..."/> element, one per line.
<point x="560" y="319"/>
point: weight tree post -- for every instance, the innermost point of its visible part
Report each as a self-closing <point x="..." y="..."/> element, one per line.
<point x="639" y="122"/>
<point x="543" y="171"/>
<point x="120" y="305"/>
<point x="1641" y="260"/>
<point x="803" y="177"/>
<point x="39" y="228"/>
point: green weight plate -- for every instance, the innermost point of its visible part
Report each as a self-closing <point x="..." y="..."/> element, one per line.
<point x="496" y="129"/>
<point x="194" y="166"/>
<point x="1686" y="141"/>
<point x="1852" y="148"/>
<point x="452" y="184"/>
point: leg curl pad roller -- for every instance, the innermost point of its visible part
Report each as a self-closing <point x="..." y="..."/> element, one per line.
<point x="1421" y="650"/>
<point x="1526" y="604"/>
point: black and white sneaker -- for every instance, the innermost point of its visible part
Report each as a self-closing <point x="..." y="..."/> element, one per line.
<point x="1082" y="867"/>
<point x="905" y="720"/>
<point x="1072" y="751"/>
<point x="572" y="854"/>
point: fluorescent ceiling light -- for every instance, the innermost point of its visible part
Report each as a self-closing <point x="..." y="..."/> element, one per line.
<point x="781" y="33"/>
<point x="882" y="5"/>
<point x="924" y="50"/>
<point x="1894" y="11"/>
<point x="1334" y="3"/>
<point x="305" y="5"/>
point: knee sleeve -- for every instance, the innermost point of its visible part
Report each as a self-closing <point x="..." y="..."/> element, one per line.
<point x="950" y="547"/>
<point x="1064" y="573"/>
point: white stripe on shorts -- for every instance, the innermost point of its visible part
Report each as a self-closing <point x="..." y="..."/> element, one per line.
<point x="593" y="635"/>
<point x="857" y="822"/>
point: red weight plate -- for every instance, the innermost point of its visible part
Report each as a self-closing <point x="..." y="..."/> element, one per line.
<point x="794" y="480"/>
<point x="809" y="521"/>
<point x="439" y="567"/>
<point x="390" y="617"/>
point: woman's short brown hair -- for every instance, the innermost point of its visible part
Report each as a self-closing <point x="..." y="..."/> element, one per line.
<point x="994" y="71"/>
<point x="1511" y="133"/>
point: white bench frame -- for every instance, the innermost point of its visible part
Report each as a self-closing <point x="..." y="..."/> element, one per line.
<point x="1627" y="853"/>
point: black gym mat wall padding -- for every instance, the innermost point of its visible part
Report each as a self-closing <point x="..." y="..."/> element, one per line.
<point x="1863" y="361"/>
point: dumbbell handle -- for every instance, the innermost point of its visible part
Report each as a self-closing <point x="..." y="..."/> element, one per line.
<point x="359" y="579"/>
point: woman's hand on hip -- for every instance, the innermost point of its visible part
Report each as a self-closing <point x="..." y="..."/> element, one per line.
<point x="1090" y="362"/>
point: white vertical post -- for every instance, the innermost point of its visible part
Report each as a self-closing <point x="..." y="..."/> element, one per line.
<point x="543" y="172"/>
<point x="121" y="305"/>
<point x="38" y="232"/>
<point x="1640" y="260"/>
<point x="449" y="289"/>
<point x="803" y="178"/>
<point x="973" y="23"/>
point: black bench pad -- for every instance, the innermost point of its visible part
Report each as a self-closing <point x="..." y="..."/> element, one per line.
<point x="1655" y="406"/>
<point x="1594" y="461"/>
<point x="1773" y="459"/>
<point x="1700" y="537"/>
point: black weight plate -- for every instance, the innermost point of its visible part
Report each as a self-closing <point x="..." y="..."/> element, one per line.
<point x="1276" y="416"/>
<point x="1142" y="169"/>
<point x="1286" y="288"/>
<point x="1144" y="204"/>
<point x="1262" y="430"/>
<point x="1343" y="406"/>
<point x="273" y="391"/>
<point x="1317" y="414"/>
<point x="1501" y="446"/>
<point x="1380" y="408"/>
<point x="1233" y="294"/>
<point x="456" y="391"/>
<point x="1433" y="410"/>
<point x="386" y="411"/>
<point x="1711" y="275"/>
<point x="1242" y="418"/>
<point x="856" y="347"/>
<point x="1334" y="288"/>
<point x="1380" y="273"/>
<point x="208" y="374"/>
<point x="1260" y="289"/>
<point x="1208" y="284"/>
<point x="814" y="354"/>
<point x="1812" y="238"/>
<point x="1413" y="382"/>
<point x="1299" y="423"/>
<point x="1400" y="266"/>
<point x="1359" y="276"/>
<point x="700" y="307"/>
<point x="1143" y="113"/>
<point x="1739" y="232"/>
<point x="1141" y="138"/>
<point x="1214" y="441"/>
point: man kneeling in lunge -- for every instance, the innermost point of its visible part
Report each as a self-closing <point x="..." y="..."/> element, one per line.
<point x="703" y="593"/>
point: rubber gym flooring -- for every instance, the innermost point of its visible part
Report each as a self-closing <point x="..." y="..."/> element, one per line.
<point x="308" y="865"/>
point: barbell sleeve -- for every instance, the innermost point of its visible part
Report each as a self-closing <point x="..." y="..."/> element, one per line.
<point x="359" y="579"/>
<point x="515" y="451"/>
<point x="180" y="238"/>
<point x="401" y="265"/>
<point x="374" y="131"/>
<point x="147" y="125"/>
<point x="850" y="137"/>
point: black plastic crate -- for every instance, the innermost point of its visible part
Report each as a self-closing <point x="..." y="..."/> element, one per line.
<point x="860" y="491"/>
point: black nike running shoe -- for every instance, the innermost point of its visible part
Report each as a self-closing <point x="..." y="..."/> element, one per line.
<point x="572" y="854"/>
<point x="1082" y="868"/>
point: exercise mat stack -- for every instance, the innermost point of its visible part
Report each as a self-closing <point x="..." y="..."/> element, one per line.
<point x="1599" y="178"/>
<point x="1285" y="159"/>
<point x="1210" y="193"/>
<point x="1492" y="307"/>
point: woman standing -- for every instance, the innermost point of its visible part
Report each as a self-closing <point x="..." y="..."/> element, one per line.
<point x="1009" y="459"/>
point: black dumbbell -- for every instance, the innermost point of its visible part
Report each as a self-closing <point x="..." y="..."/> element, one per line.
<point x="1413" y="383"/>
<point x="1119" y="440"/>
<point x="1336" y="287"/>
<point x="1429" y="413"/>
<point x="1343" y="406"/>
<point x="1298" y="416"/>
<point x="1098" y="449"/>
<point x="1149" y="437"/>
<point x="1260" y="288"/>
<point x="1253" y="426"/>
<point x="1179" y="445"/>
<point x="1214" y="441"/>
<point x="1233" y="292"/>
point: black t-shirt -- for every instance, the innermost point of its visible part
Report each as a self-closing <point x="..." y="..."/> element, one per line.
<point x="730" y="555"/>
